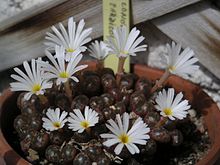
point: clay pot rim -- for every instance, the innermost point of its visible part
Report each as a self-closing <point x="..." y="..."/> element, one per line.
<point x="212" y="112"/>
<point x="208" y="159"/>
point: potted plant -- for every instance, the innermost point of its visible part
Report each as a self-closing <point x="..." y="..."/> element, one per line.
<point x="71" y="113"/>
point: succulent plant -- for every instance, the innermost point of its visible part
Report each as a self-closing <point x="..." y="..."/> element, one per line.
<point x="82" y="117"/>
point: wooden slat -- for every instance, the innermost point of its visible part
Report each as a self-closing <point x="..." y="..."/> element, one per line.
<point x="148" y="9"/>
<point x="197" y="26"/>
<point x="24" y="40"/>
<point x="28" y="13"/>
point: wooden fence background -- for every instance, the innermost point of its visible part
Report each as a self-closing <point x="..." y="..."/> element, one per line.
<point x="194" y="23"/>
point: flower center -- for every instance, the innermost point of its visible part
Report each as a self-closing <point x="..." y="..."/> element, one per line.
<point x="168" y="111"/>
<point x="57" y="124"/>
<point x="85" y="124"/>
<point x="36" y="88"/>
<point x="70" y="50"/>
<point x="171" y="68"/>
<point x="124" y="52"/>
<point x="124" y="138"/>
<point x="64" y="75"/>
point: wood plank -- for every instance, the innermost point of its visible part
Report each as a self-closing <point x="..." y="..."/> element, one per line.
<point x="28" y="13"/>
<point x="197" y="26"/>
<point x="24" y="40"/>
<point x="144" y="10"/>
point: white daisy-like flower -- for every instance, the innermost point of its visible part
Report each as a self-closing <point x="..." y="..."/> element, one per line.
<point x="71" y="39"/>
<point x="54" y="120"/>
<point x="138" y="134"/>
<point x="78" y="122"/>
<point x="59" y="70"/>
<point x="181" y="64"/>
<point x="171" y="106"/>
<point x="124" y="44"/>
<point x="98" y="50"/>
<point x="33" y="82"/>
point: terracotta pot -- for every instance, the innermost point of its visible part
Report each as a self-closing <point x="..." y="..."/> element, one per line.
<point x="196" y="96"/>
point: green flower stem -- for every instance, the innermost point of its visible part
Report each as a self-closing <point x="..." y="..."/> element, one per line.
<point x="160" y="82"/>
<point x="100" y="64"/>
<point x="120" y="69"/>
<point x="88" y="131"/>
<point x="68" y="90"/>
<point x="162" y="121"/>
<point x="43" y="99"/>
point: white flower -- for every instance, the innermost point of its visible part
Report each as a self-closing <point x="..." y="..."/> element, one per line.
<point x="54" y="121"/>
<point x="170" y="106"/>
<point x="124" y="44"/>
<point x="58" y="70"/>
<point x="181" y="64"/>
<point x="121" y="136"/>
<point x="98" y="50"/>
<point x="33" y="82"/>
<point x="78" y="122"/>
<point x="71" y="39"/>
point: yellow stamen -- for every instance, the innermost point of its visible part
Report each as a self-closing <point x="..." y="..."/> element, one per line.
<point x="172" y="68"/>
<point x="168" y="111"/>
<point x="64" y="75"/>
<point x="70" y="50"/>
<point x="36" y="88"/>
<point x="57" y="124"/>
<point x="85" y="124"/>
<point x="124" y="52"/>
<point x="124" y="138"/>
